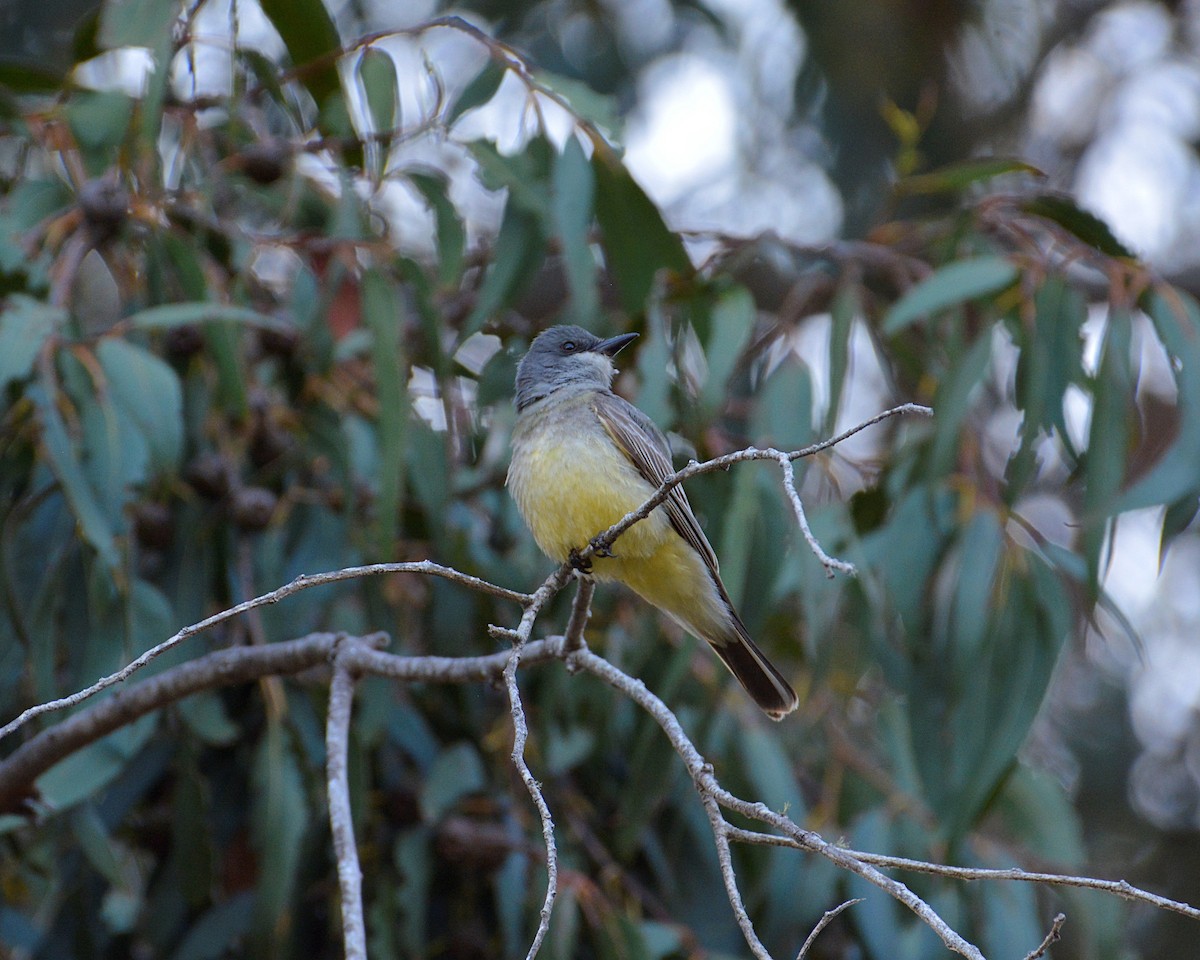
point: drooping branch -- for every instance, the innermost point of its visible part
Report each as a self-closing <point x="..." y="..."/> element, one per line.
<point x="341" y="820"/>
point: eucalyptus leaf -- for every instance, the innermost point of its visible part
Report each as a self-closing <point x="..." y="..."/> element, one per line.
<point x="949" y="286"/>
<point x="25" y="325"/>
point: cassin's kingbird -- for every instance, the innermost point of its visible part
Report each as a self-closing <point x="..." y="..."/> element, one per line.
<point x="582" y="459"/>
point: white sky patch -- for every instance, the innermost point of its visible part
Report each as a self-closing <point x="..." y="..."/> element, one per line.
<point x="682" y="135"/>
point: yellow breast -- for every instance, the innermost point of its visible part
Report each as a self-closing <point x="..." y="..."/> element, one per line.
<point x="571" y="482"/>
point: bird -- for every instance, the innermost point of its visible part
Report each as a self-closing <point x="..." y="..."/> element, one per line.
<point x="582" y="459"/>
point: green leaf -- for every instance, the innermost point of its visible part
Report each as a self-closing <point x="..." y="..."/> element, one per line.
<point x="185" y="314"/>
<point x="574" y="190"/>
<point x="456" y="773"/>
<point x="1177" y="518"/>
<point x="637" y="243"/>
<point x="90" y="769"/>
<point x="524" y="175"/>
<point x="519" y="248"/>
<point x="217" y="931"/>
<point x="783" y="417"/>
<point x="731" y="325"/>
<point x="949" y="286"/>
<point x="586" y="102"/>
<point x="1176" y="477"/>
<point x="383" y="316"/>
<point x="479" y="91"/>
<point x="136" y="23"/>
<point x="845" y="308"/>
<point x="312" y="42"/>
<point x="377" y="74"/>
<point x="1050" y="361"/>
<point x="1083" y="225"/>
<point x="99" y="121"/>
<point x="957" y="176"/>
<point x="206" y="716"/>
<point x="953" y="402"/>
<point x="279" y="820"/>
<point x="451" y="235"/>
<point x="25" y="325"/>
<point x="980" y="546"/>
<point x="63" y="459"/>
<point x="412" y="855"/>
<point x="1108" y="435"/>
<point x="149" y="391"/>
<point x="26" y="76"/>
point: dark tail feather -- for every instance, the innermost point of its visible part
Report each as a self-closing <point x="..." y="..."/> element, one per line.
<point x="755" y="672"/>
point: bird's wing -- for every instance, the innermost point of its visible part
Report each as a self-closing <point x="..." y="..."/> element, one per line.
<point x="646" y="447"/>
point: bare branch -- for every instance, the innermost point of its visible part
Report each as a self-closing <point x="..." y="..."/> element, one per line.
<point x="234" y="666"/>
<point x="1051" y="937"/>
<point x="341" y="821"/>
<point x="708" y="786"/>
<point x="222" y="668"/>
<point x="720" y="828"/>
<point x="581" y="609"/>
<point x="520" y="737"/>
<point x="1119" y="888"/>
<point x="606" y="538"/>
<point x="302" y="582"/>
<point x="825" y="920"/>
<point x="789" y="484"/>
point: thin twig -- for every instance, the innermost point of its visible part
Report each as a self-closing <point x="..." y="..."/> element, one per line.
<point x="825" y="920"/>
<point x="789" y="484"/>
<point x="605" y="539"/>
<point x="1051" y="937"/>
<point x="341" y="820"/>
<point x="1119" y="888"/>
<point x="725" y="859"/>
<point x="520" y="737"/>
<point x="708" y="786"/>
<point x="302" y="582"/>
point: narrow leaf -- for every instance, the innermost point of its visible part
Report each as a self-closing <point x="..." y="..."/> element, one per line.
<point x="25" y="324"/>
<point x="948" y="286"/>
<point x="149" y="391"/>
<point x="479" y="91"/>
<point x="957" y="176"/>
<point x="1083" y="225"/>
<point x="377" y="74"/>
<point x="637" y="243"/>
<point x="312" y="42"/>
<point x="383" y="316"/>
<point x="64" y="461"/>
<point x="574" y="191"/>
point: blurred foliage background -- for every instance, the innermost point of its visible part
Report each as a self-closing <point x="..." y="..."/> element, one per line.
<point x="266" y="271"/>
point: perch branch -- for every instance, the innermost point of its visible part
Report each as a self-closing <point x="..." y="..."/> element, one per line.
<point x="605" y="539"/>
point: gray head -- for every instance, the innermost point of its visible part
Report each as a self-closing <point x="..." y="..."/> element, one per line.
<point x="566" y="357"/>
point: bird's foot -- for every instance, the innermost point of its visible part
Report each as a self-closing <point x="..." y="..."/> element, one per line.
<point x="580" y="563"/>
<point x="601" y="549"/>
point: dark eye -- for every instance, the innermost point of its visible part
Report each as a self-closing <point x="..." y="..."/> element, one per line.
<point x="569" y="347"/>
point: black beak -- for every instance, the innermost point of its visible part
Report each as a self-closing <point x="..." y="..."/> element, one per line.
<point x="613" y="345"/>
